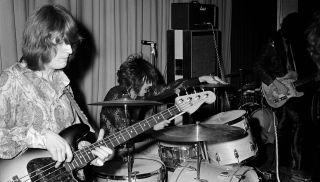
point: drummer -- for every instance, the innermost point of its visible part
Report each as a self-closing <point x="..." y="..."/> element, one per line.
<point x="139" y="79"/>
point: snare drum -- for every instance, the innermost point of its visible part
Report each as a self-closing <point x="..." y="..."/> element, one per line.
<point x="236" y="151"/>
<point x="211" y="173"/>
<point x="143" y="170"/>
<point x="172" y="154"/>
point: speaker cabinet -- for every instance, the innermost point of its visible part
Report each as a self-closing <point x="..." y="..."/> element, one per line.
<point x="192" y="53"/>
<point x="193" y="16"/>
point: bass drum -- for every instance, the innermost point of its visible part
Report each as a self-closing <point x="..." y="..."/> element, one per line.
<point x="143" y="170"/>
<point x="262" y="122"/>
<point x="211" y="173"/>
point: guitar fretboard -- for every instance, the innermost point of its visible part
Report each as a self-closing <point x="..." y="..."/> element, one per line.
<point x="84" y="156"/>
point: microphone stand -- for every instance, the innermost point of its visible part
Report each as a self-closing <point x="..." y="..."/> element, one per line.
<point x="154" y="54"/>
<point x="129" y="144"/>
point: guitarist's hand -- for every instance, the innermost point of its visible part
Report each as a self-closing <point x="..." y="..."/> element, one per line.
<point x="58" y="148"/>
<point x="103" y="153"/>
<point x="281" y="89"/>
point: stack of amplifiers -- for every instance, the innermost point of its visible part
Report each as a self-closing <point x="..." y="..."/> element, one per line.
<point x="193" y="16"/>
<point x="192" y="53"/>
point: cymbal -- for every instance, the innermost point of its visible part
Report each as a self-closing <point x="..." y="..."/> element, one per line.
<point x="126" y="101"/>
<point x="215" y="133"/>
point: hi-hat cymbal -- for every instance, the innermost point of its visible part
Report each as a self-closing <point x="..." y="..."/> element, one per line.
<point x="126" y="101"/>
<point x="215" y="133"/>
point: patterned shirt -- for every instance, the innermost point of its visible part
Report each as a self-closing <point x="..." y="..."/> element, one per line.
<point x="30" y="106"/>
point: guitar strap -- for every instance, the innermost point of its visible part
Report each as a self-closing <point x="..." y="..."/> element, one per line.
<point x="74" y="105"/>
<point x="291" y="65"/>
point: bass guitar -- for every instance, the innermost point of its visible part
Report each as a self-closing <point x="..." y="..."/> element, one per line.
<point x="36" y="165"/>
<point x="276" y="100"/>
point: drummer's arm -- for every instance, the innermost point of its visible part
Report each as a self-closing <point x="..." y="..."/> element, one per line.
<point x="210" y="79"/>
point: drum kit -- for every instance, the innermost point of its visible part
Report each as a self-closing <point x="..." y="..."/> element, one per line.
<point x="212" y="150"/>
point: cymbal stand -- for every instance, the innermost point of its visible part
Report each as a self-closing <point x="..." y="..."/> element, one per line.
<point x="199" y="163"/>
<point x="128" y="145"/>
<point x="241" y="86"/>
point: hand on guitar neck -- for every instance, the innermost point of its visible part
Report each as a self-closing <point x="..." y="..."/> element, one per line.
<point x="281" y="90"/>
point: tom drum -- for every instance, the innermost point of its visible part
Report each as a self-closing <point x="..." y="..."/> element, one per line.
<point x="236" y="151"/>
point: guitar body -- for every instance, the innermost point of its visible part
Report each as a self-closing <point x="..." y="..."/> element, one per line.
<point x="36" y="165"/>
<point x="276" y="100"/>
<point x="20" y="168"/>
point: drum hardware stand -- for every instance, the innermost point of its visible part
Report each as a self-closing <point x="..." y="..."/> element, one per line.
<point x="199" y="163"/>
<point x="241" y="86"/>
<point x="205" y="151"/>
<point x="128" y="145"/>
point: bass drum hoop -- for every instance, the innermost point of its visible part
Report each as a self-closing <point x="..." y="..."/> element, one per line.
<point x="219" y="173"/>
<point x="161" y="172"/>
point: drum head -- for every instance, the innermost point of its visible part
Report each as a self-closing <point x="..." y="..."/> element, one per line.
<point x="225" y="117"/>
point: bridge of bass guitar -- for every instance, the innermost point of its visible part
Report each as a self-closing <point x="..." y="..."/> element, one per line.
<point x="43" y="170"/>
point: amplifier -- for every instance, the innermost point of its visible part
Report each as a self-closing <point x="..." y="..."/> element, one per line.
<point x="192" y="16"/>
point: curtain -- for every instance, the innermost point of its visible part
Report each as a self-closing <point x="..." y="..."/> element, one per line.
<point x="112" y="30"/>
<point x="285" y="7"/>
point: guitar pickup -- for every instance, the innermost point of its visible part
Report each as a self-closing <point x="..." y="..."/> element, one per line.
<point x="280" y="99"/>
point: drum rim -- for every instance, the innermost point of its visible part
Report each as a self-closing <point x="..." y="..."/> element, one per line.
<point x="160" y="171"/>
<point x="233" y="171"/>
<point x="234" y="121"/>
<point x="237" y="120"/>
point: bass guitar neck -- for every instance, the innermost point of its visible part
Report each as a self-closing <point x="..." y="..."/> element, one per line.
<point x="36" y="165"/>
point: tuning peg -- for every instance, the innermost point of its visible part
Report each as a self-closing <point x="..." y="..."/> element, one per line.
<point x="194" y="90"/>
<point x="185" y="89"/>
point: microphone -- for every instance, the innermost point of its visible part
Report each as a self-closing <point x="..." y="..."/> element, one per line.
<point x="146" y="42"/>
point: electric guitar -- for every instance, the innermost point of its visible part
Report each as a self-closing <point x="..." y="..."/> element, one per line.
<point x="276" y="100"/>
<point x="36" y="165"/>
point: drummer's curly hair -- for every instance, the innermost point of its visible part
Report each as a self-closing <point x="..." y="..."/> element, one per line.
<point x="134" y="71"/>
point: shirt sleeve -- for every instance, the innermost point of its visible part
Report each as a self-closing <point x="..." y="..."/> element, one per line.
<point x="112" y="119"/>
<point x="159" y="92"/>
<point x="260" y="67"/>
<point x="16" y="131"/>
